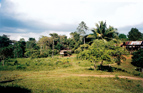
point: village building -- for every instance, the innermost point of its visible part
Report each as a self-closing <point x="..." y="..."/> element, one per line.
<point x="65" y="52"/>
<point x="132" y="45"/>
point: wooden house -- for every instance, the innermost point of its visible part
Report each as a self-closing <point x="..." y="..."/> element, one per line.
<point x="133" y="45"/>
<point x="65" y="52"/>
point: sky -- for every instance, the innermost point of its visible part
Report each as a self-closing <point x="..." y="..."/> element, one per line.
<point x="36" y="18"/>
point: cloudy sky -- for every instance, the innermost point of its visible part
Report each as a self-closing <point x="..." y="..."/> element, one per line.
<point x="34" y="18"/>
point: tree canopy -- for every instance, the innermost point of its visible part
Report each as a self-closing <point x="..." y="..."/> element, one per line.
<point x="137" y="59"/>
<point x="134" y="34"/>
<point x="102" y="32"/>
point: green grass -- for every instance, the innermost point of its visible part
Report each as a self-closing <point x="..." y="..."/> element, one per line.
<point x="57" y="75"/>
<point x="42" y="83"/>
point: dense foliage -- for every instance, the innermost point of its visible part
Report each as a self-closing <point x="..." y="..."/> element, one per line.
<point x="103" y="32"/>
<point x="101" y="51"/>
<point x="134" y="34"/>
<point x="101" y="45"/>
<point x="137" y="59"/>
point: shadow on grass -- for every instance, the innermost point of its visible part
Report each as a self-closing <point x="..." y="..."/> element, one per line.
<point x="108" y="68"/>
<point x="7" y="81"/>
<point x="14" y="89"/>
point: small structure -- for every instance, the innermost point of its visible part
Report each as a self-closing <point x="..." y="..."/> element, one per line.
<point x="132" y="45"/>
<point x="65" y="52"/>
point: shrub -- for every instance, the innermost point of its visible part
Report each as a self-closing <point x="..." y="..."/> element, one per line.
<point x="137" y="59"/>
<point x="16" y="62"/>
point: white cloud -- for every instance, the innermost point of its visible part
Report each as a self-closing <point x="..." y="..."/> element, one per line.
<point x="55" y="13"/>
<point x="130" y="14"/>
<point x="26" y="36"/>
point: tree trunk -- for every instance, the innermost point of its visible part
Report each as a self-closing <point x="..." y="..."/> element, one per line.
<point x="141" y="69"/>
<point x="2" y="62"/>
<point x="84" y="43"/>
<point x="53" y="49"/>
<point x="94" y="66"/>
<point x="101" y="64"/>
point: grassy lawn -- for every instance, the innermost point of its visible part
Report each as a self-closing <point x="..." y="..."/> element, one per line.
<point x="56" y="75"/>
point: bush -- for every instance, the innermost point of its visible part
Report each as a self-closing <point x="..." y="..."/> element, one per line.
<point x="137" y="59"/>
<point x="16" y="62"/>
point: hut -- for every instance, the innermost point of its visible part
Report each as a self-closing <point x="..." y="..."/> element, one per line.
<point x="65" y="52"/>
<point x="132" y="45"/>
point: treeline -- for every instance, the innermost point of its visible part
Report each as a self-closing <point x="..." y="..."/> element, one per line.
<point x="50" y="46"/>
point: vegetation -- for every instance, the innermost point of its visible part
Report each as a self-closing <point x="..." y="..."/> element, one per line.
<point x="134" y="34"/>
<point x="138" y="59"/>
<point x="35" y="66"/>
<point x="102" y="32"/>
<point x="63" y="75"/>
<point x="123" y="37"/>
<point x="101" y="51"/>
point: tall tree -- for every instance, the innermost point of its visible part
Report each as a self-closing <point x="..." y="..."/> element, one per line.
<point x="81" y="29"/>
<point x="19" y="48"/>
<point x="4" y="41"/>
<point x="54" y="36"/>
<point x="134" y="34"/>
<point x="31" y="47"/>
<point x="102" y="32"/>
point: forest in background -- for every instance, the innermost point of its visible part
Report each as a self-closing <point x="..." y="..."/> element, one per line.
<point x="79" y="41"/>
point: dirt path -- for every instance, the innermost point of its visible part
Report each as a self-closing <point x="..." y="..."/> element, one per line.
<point x="128" y="77"/>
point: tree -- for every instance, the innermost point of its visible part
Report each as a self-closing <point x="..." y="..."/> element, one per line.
<point x="122" y="37"/>
<point x="45" y="44"/>
<point x="4" y="41"/>
<point x="81" y="29"/>
<point x="75" y="36"/>
<point x="102" y="32"/>
<point x="19" y="48"/>
<point x="31" y="47"/>
<point x="54" y="36"/>
<point x="101" y="51"/>
<point x="134" y="34"/>
<point x="137" y="59"/>
<point x="6" y="52"/>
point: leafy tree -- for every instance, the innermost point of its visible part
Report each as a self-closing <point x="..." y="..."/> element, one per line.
<point x="62" y="42"/>
<point x="45" y="44"/>
<point x="134" y="34"/>
<point x="81" y="48"/>
<point x="122" y="37"/>
<point x="137" y="59"/>
<point x="19" y="48"/>
<point x="31" y="47"/>
<point x="54" y="36"/>
<point x="75" y="36"/>
<point x="4" y="41"/>
<point x="81" y="29"/>
<point x="102" y="32"/>
<point x="101" y="51"/>
<point x="6" y="52"/>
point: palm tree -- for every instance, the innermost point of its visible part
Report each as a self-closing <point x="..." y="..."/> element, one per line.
<point x="102" y="32"/>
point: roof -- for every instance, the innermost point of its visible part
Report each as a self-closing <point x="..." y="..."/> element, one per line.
<point x="63" y="51"/>
<point x="131" y="43"/>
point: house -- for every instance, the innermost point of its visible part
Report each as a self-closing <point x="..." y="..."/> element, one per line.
<point x="65" y="52"/>
<point x="133" y="45"/>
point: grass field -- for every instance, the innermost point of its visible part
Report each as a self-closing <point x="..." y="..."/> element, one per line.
<point x="67" y="75"/>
